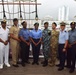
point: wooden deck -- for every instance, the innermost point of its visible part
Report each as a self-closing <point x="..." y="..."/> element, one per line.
<point x="34" y="70"/>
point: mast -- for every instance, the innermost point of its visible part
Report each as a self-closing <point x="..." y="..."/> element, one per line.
<point x="20" y="10"/>
<point x="4" y="16"/>
<point x="36" y="16"/>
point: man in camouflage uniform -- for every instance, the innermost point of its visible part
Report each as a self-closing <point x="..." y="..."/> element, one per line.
<point x="46" y="43"/>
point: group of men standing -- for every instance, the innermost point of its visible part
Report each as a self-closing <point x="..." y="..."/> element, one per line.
<point x="54" y="43"/>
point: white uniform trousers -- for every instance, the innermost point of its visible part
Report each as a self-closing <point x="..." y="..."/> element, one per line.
<point x="4" y="53"/>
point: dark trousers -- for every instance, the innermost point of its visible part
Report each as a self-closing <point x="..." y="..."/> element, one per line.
<point x="24" y="52"/>
<point x="69" y="57"/>
<point x="62" y="55"/>
<point x="73" y="56"/>
<point x="36" y="50"/>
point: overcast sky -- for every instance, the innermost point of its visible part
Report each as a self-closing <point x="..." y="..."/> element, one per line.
<point x="50" y="7"/>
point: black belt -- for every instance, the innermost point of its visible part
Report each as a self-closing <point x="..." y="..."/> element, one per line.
<point x="26" y="40"/>
<point x="61" y="44"/>
<point x="35" y="39"/>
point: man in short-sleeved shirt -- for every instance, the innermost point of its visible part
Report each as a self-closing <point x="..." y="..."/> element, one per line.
<point x="14" y="41"/>
<point x="24" y="35"/>
<point x="63" y="41"/>
<point x="71" y="52"/>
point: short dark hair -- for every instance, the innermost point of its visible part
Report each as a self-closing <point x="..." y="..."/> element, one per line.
<point x="54" y="23"/>
<point x="46" y="23"/>
<point x="36" y="24"/>
<point x="15" y="19"/>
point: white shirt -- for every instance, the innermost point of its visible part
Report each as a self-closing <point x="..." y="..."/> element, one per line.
<point x="4" y="33"/>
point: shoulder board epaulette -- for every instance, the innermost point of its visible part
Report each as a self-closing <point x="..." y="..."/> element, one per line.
<point x="12" y="25"/>
<point x="8" y="28"/>
<point x="65" y="31"/>
<point x="21" y="28"/>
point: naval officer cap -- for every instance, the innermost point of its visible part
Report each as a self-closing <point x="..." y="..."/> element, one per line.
<point x="62" y="23"/>
<point x="73" y="23"/>
<point x="3" y="21"/>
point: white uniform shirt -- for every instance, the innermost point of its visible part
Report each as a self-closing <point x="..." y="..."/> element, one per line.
<point x="63" y="36"/>
<point x="4" y="34"/>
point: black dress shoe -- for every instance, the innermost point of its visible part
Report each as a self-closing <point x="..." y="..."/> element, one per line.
<point x="58" y="65"/>
<point x="37" y="63"/>
<point x="42" y="62"/>
<point x="71" y="71"/>
<point x="60" y="68"/>
<point x="23" y="64"/>
<point x="67" y="66"/>
<point x="15" y="65"/>
<point x="27" y="62"/>
<point x="33" y="63"/>
<point x="18" y="62"/>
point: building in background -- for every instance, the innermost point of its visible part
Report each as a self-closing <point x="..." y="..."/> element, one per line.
<point x="63" y="14"/>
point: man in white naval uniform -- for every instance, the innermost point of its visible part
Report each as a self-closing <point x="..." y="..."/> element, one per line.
<point x="4" y="45"/>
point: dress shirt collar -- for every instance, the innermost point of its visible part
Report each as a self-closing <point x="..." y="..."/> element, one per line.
<point x="62" y="31"/>
<point x="24" y="29"/>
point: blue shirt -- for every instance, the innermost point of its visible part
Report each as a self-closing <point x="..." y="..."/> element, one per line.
<point x="25" y="33"/>
<point x="36" y="34"/>
<point x="72" y="36"/>
<point x="63" y="36"/>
